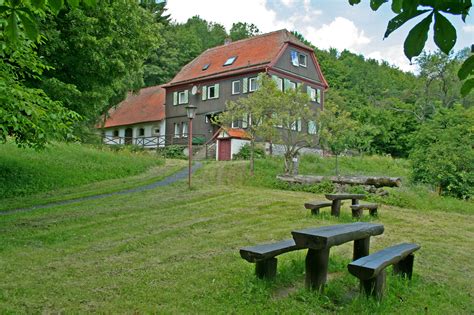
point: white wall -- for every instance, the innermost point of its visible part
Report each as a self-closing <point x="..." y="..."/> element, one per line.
<point x="150" y="138"/>
<point x="236" y="145"/>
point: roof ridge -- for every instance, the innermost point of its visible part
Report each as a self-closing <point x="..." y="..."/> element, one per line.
<point x="283" y="30"/>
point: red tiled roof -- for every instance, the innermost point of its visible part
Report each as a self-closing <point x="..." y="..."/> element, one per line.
<point x="251" y="53"/>
<point x="235" y="133"/>
<point x="148" y="105"/>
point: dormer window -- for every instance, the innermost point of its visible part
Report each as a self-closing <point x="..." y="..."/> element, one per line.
<point x="230" y="61"/>
<point x="302" y="60"/>
<point x="206" y="66"/>
<point x="298" y="59"/>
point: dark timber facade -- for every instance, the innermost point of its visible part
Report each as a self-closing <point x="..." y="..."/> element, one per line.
<point x="230" y="71"/>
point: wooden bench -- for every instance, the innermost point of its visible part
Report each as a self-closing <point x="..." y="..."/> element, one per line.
<point x="320" y="240"/>
<point x="337" y="199"/>
<point x="316" y="205"/>
<point x="357" y="209"/>
<point x="371" y="269"/>
<point x="264" y="256"/>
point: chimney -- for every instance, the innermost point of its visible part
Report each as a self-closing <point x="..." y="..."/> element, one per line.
<point x="227" y="41"/>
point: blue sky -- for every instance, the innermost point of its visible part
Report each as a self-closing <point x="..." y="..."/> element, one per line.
<point x="326" y="23"/>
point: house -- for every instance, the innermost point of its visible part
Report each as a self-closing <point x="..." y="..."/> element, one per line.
<point x="230" y="71"/>
<point x="139" y="119"/>
<point x="229" y="141"/>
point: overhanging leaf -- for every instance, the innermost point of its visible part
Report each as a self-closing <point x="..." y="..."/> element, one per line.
<point x="91" y="3"/>
<point x="417" y="37"/>
<point x="400" y="19"/>
<point x="29" y="25"/>
<point x="444" y="33"/>
<point x="467" y="87"/>
<point x="12" y="27"/>
<point x="73" y="3"/>
<point x="397" y="6"/>
<point x="467" y="68"/>
<point x="375" y="4"/>
<point x="410" y="5"/>
<point x="55" y="5"/>
<point x="38" y="4"/>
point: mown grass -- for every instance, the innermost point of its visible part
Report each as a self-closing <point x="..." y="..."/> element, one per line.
<point x="410" y="195"/>
<point x="174" y="250"/>
<point x="24" y="172"/>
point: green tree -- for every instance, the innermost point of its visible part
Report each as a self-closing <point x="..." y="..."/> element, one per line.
<point x="27" y="114"/>
<point x="243" y="30"/>
<point x="337" y="130"/>
<point x="443" y="153"/>
<point x="95" y="55"/>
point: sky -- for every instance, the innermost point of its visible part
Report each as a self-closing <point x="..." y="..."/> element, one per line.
<point x="325" y="23"/>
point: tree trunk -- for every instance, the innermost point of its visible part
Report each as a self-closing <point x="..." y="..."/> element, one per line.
<point x="252" y="161"/>
<point x="351" y="180"/>
<point x="337" y="168"/>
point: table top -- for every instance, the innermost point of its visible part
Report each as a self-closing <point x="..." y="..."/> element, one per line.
<point x="344" y="196"/>
<point x="333" y="235"/>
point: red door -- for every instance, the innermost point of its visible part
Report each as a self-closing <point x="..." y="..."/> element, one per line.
<point x="224" y="150"/>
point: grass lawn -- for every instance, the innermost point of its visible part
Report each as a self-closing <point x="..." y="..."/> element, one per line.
<point x="171" y="250"/>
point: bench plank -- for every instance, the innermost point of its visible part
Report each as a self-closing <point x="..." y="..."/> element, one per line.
<point x="369" y="266"/>
<point x="266" y="251"/>
<point x="317" y="204"/>
<point x="328" y="236"/>
<point x="368" y="206"/>
<point x="344" y="196"/>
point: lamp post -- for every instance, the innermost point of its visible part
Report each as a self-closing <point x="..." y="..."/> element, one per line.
<point x="191" y="113"/>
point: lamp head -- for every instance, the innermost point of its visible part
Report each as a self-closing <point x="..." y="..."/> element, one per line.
<point x="191" y="111"/>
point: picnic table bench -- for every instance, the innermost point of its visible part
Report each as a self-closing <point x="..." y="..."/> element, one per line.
<point x="371" y="269"/>
<point x="320" y="240"/>
<point x="337" y="199"/>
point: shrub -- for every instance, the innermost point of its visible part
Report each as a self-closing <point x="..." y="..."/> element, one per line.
<point x="443" y="154"/>
<point x="172" y="152"/>
<point x="244" y="153"/>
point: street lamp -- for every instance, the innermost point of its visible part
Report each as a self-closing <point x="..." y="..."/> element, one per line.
<point x="191" y="113"/>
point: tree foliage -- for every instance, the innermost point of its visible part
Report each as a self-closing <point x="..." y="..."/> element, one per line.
<point x="443" y="154"/>
<point x="444" y="32"/>
<point x="244" y="30"/>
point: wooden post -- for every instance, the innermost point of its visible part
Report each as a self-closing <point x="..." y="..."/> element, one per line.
<point x="315" y="211"/>
<point x="405" y="267"/>
<point x="356" y="213"/>
<point x="266" y="269"/>
<point x="361" y="248"/>
<point x="373" y="212"/>
<point x="375" y="286"/>
<point x="317" y="268"/>
<point x="336" y="207"/>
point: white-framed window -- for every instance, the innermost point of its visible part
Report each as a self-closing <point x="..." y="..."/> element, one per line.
<point x="185" y="130"/>
<point x="253" y="84"/>
<point x="177" y="130"/>
<point x="210" y="92"/>
<point x="296" y="125"/>
<point x="312" y="127"/>
<point x="302" y="60"/>
<point x="235" y="124"/>
<point x="116" y="133"/>
<point x="156" y="131"/>
<point x="298" y="59"/>
<point x="235" y="87"/>
<point x="312" y="93"/>
<point x="141" y="132"/>
<point x="289" y="85"/>
<point x="183" y="97"/>
<point x="206" y="119"/>
<point x="230" y="61"/>
<point x="294" y="58"/>
<point x="278" y="81"/>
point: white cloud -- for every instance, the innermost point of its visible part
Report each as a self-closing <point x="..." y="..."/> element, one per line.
<point x="288" y="3"/>
<point x="468" y="28"/>
<point x="226" y="13"/>
<point x="394" y="56"/>
<point x="341" y="34"/>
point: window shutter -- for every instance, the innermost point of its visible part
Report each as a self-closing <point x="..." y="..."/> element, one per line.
<point x="308" y="90"/>
<point x="204" y="93"/>
<point x="245" y="120"/>
<point x="286" y="85"/>
<point x="186" y="96"/>
<point x="245" y="85"/>
<point x="318" y="97"/>
<point x="298" y="85"/>
<point x="216" y="87"/>
<point x="175" y="98"/>
<point x="298" y="124"/>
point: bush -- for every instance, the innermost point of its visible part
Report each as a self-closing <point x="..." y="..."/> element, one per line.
<point x="244" y="153"/>
<point x="443" y="154"/>
<point x="172" y="152"/>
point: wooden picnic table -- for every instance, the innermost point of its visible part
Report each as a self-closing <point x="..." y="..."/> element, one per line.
<point x="337" y="198"/>
<point x="320" y="240"/>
